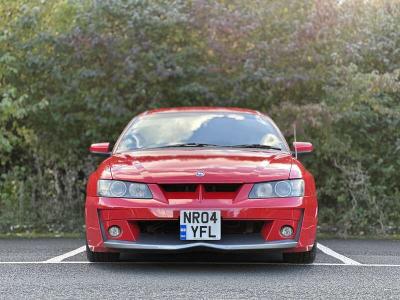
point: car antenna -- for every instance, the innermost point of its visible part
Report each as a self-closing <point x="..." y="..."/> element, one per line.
<point x="295" y="140"/>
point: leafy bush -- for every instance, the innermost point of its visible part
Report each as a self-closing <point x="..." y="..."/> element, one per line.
<point x="75" y="72"/>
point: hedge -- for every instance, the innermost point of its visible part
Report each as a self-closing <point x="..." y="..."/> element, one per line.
<point x="74" y="72"/>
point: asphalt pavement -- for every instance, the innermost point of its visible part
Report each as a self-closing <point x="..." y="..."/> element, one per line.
<point x="58" y="269"/>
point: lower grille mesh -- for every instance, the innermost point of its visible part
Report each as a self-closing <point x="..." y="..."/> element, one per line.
<point x="227" y="227"/>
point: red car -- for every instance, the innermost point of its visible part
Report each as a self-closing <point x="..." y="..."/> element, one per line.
<point x="201" y="177"/>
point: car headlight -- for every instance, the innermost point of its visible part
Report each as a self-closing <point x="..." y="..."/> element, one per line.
<point x="123" y="189"/>
<point x="278" y="189"/>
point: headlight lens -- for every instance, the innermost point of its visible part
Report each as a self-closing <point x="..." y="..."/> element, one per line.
<point x="123" y="189"/>
<point x="118" y="188"/>
<point x="283" y="189"/>
<point x="278" y="189"/>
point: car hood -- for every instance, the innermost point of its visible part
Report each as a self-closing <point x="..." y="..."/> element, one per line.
<point x="187" y="165"/>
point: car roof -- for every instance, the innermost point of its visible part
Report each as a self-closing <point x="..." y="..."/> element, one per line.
<point x="202" y="109"/>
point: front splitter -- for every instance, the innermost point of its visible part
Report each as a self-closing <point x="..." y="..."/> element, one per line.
<point x="233" y="242"/>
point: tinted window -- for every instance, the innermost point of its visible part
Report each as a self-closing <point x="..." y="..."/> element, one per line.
<point x="219" y="128"/>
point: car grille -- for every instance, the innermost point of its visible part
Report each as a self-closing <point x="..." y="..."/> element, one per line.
<point x="179" y="188"/>
<point x="221" y="188"/>
<point x="227" y="227"/>
<point x="209" y="190"/>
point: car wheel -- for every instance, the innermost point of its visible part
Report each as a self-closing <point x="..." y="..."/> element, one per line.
<point x="101" y="256"/>
<point x="307" y="257"/>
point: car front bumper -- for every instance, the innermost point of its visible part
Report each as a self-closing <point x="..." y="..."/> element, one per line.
<point x="298" y="212"/>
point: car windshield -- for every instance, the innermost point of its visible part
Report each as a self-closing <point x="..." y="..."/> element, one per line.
<point x="200" y="129"/>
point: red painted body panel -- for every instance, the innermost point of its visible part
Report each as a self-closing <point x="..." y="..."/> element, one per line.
<point x="174" y="166"/>
<point x="220" y="165"/>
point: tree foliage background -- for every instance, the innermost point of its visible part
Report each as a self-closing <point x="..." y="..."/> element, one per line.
<point x="74" y="72"/>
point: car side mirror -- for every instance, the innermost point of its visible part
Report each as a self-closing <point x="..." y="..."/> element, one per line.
<point x="302" y="148"/>
<point x="101" y="149"/>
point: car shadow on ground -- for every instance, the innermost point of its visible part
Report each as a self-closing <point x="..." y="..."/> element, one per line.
<point x="199" y="264"/>
<point x="202" y="257"/>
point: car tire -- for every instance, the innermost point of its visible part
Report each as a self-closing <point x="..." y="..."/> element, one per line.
<point x="101" y="256"/>
<point x="307" y="257"/>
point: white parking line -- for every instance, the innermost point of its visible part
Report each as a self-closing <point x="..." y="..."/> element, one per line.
<point x="41" y="262"/>
<point x="326" y="250"/>
<point x="330" y="252"/>
<point x="60" y="258"/>
<point x="195" y="263"/>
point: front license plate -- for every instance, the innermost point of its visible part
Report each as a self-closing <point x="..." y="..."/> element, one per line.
<point x="200" y="225"/>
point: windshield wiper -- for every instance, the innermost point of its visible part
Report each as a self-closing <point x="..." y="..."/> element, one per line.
<point x="188" y="145"/>
<point x="200" y="145"/>
<point x="256" y="146"/>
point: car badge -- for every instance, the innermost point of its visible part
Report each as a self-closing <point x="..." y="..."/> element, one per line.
<point x="200" y="173"/>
